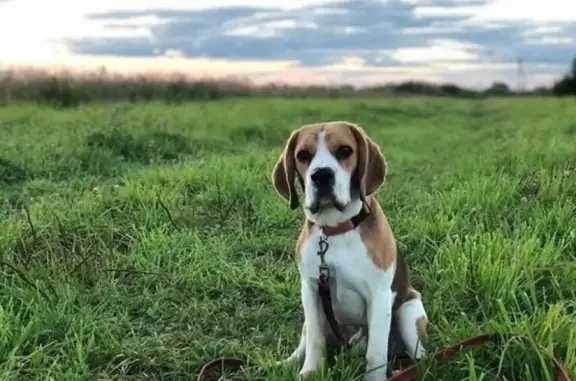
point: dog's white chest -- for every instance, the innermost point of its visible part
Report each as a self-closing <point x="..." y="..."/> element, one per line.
<point x="352" y="273"/>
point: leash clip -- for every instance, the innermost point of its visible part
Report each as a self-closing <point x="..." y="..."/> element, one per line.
<point x="322" y="247"/>
<point x="323" y="267"/>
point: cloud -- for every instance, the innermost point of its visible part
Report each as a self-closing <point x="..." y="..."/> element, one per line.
<point x="425" y="37"/>
<point x="324" y="33"/>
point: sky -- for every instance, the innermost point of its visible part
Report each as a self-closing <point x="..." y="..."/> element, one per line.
<point x="360" y="42"/>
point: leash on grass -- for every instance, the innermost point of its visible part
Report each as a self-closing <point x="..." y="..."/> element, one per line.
<point x="212" y="370"/>
<point x="408" y="369"/>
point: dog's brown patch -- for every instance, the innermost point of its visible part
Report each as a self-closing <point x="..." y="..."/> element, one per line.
<point x="377" y="236"/>
<point x="307" y="140"/>
<point x="422" y="328"/>
<point x="339" y="135"/>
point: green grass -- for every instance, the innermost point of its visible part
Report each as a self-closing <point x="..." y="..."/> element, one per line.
<point x="138" y="242"/>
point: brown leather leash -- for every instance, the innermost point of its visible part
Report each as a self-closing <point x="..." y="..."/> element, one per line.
<point x="212" y="370"/>
<point x="442" y="355"/>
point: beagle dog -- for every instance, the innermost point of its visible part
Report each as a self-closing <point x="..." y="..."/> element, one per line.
<point x="346" y="236"/>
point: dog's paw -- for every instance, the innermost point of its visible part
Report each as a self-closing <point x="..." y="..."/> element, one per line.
<point x="379" y="375"/>
<point x="305" y="373"/>
<point x="376" y="371"/>
<point x="309" y="368"/>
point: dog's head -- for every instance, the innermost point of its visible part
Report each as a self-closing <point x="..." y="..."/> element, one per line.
<point x="335" y="162"/>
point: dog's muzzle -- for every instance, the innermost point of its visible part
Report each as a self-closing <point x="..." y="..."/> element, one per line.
<point x="323" y="180"/>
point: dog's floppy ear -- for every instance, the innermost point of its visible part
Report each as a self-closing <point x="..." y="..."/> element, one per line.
<point x="371" y="168"/>
<point x="284" y="173"/>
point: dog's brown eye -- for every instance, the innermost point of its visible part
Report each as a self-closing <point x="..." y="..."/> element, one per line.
<point x="343" y="152"/>
<point x="303" y="156"/>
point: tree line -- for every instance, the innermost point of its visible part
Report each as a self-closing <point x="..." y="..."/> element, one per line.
<point x="70" y="90"/>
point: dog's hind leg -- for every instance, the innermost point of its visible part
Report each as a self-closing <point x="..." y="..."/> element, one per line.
<point x="412" y="324"/>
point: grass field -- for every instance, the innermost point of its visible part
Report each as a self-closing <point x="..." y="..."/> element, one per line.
<point x="138" y="242"/>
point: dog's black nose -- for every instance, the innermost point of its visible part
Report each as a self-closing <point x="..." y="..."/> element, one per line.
<point x="323" y="177"/>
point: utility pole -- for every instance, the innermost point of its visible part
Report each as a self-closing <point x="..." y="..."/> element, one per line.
<point x="521" y="76"/>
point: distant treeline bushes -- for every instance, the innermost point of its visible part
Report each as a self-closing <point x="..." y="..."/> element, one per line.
<point x="69" y="90"/>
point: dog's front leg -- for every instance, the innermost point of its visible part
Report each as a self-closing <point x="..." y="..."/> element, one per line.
<point x="313" y="317"/>
<point x="379" y="321"/>
<point x="298" y="353"/>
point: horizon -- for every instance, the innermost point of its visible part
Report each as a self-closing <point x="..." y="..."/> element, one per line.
<point x="471" y="43"/>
